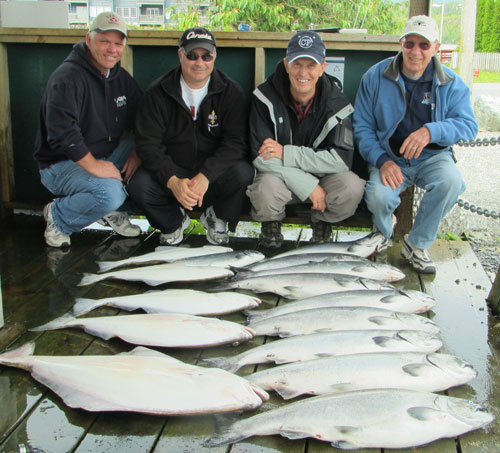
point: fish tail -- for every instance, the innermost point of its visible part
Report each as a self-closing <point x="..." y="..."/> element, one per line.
<point x="254" y="315"/>
<point x="83" y="306"/>
<point x="88" y="279"/>
<point x="225" y="432"/>
<point x="15" y="355"/>
<point x="239" y="272"/>
<point x="58" y="323"/>
<point x="226" y="363"/>
<point x="105" y="266"/>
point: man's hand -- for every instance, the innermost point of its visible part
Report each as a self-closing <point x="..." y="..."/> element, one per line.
<point x="391" y="174"/>
<point x="185" y="195"/>
<point x="318" y="198"/>
<point x="131" y="165"/>
<point x="199" y="185"/>
<point x="99" y="168"/>
<point x="415" y="142"/>
<point x="271" y="148"/>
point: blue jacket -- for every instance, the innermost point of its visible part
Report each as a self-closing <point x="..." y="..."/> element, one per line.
<point x="380" y="106"/>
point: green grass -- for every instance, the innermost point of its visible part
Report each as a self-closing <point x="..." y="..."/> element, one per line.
<point x="487" y="77"/>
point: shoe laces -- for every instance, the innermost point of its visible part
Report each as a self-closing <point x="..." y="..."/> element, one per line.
<point x="215" y="223"/>
<point x="117" y="217"/>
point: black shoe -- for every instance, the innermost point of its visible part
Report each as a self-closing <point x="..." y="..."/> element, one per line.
<point x="322" y="232"/>
<point x="270" y="236"/>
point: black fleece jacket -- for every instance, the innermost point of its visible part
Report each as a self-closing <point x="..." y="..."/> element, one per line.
<point x="167" y="136"/>
<point x="82" y="111"/>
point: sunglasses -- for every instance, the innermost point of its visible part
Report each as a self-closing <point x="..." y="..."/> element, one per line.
<point x="410" y="45"/>
<point x="193" y="56"/>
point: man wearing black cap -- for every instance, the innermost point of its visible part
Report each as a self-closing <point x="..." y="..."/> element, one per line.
<point x="192" y="139"/>
<point x="301" y="141"/>
<point x="89" y="102"/>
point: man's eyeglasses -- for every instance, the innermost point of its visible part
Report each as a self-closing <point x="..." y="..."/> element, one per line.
<point x="193" y="56"/>
<point x="410" y="45"/>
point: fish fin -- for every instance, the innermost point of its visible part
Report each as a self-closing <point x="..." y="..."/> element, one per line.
<point x="379" y="320"/>
<point x="226" y="363"/>
<point x="414" y="369"/>
<point x="228" y="284"/>
<point x="383" y="342"/>
<point x="224" y="432"/>
<point x="344" y="445"/>
<point x="254" y="315"/>
<point x="83" y="306"/>
<point x="240" y="273"/>
<point x="105" y="266"/>
<point x="289" y="434"/>
<point x="146" y="352"/>
<point x="88" y="279"/>
<point x="425" y="413"/>
<point x="287" y="393"/>
<point x="284" y="334"/>
<point x="10" y="357"/>
<point x="322" y="354"/>
<point x="58" y="323"/>
<point x="291" y="289"/>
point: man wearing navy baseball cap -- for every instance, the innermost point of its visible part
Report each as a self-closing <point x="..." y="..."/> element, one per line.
<point x="192" y="138"/>
<point x="301" y="144"/>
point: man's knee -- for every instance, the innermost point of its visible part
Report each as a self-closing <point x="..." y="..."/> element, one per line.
<point x="242" y="173"/>
<point x="141" y="187"/>
<point x="112" y="196"/>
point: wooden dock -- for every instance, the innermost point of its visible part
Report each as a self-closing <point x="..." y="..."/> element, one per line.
<point x="40" y="284"/>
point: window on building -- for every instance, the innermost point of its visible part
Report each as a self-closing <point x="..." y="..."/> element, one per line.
<point x="127" y="13"/>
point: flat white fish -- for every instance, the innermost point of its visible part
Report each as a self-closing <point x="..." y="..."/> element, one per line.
<point x="239" y="258"/>
<point x="363" y="247"/>
<point x="376" y="271"/>
<point x="304" y="258"/>
<point x="299" y="286"/>
<point x="389" y="418"/>
<point x="381" y="370"/>
<point x="172" y="330"/>
<point x="326" y="344"/>
<point x="404" y="301"/>
<point x="142" y="380"/>
<point x="340" y="318"/>
<point x="188" y="301"/>
<point x="165" y="255"/>
<point x="160" y="274"/>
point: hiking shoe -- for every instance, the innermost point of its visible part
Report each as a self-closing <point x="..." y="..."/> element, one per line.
<point x="216" y="228"/>
<point x="321" y="232"/>
<point x="53" y="236"/>
<point x="119" y="221"/>
<point x="270" y="235"/>
<point x="175" y="237"/>
<point x="418" y="258"/>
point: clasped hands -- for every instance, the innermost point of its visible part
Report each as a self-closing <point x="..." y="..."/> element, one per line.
<point x="189" y="192"/>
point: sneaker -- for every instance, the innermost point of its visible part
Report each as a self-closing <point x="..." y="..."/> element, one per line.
<point x="53" y="236"/>
<point x="418" y="258"/>
<point x="119" y="221"/>
<point x="216" y="228"/>
<point x="270" y="236"/>
<point x="377" y="237"/>
<point x="321" y="232"/>
<point x="176" y="236"/>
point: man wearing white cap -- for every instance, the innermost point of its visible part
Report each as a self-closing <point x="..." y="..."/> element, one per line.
<point x="88" y="105"/>
<point x="301" y="143"/>
<point x="409" y="111"/>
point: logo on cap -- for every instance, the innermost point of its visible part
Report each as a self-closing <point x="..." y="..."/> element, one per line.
<point x="306" y="42"/>
<point x="113" y="19"/>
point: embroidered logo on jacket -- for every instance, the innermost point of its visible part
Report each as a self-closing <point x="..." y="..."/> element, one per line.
<point x="121" y="101"/>
<point x="427" y="98"/>
<point x="213" y="120"/>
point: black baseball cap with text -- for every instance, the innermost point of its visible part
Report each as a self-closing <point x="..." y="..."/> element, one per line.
<point x="197" y="37"/>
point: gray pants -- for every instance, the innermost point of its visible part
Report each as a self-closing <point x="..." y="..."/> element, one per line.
<point x="269" y="196"/>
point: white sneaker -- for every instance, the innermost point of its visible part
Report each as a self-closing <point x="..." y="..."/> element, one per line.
<point x="120" y="223"/>
<point x="418" y="258"/>
<point x="216" y="228"/>
<point x="53" y="236"/>
<point x="176" y="236"/>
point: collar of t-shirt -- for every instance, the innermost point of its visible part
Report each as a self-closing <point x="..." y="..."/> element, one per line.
<point x="302" y="109"/>
<point x="193" y="97"/>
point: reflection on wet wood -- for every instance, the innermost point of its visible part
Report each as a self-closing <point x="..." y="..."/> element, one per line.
<point x="39" y="284"/>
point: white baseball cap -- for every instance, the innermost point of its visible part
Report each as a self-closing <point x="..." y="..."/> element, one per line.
<point x="424" y="26"/>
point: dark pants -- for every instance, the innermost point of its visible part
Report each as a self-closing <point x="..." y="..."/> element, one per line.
<point x="226" y="195"/>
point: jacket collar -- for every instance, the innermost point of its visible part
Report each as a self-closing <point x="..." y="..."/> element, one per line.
<point x="393" y="71"/>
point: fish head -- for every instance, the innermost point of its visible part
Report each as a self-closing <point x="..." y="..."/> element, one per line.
<point x="464" y="411"/>
<point x="417" y="322"/>
<point x="392" y="272"/>
<point x="423" y="341"/>
<point x="418" y="296"/>
<point x="453" y="366"/>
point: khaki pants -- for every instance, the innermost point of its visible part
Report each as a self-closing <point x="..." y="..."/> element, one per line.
<point x="269" y="196"/>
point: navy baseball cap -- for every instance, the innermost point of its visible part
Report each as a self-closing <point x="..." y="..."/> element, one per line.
<point x="306" y="44"/>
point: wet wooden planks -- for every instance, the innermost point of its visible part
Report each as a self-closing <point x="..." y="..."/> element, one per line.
<point x="41" y="285"/>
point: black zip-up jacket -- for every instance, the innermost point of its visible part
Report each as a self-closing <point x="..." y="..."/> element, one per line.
<point x="82" y="111"/>
<point x="167" y="136"/>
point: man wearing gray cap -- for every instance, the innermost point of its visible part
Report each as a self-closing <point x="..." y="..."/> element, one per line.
<point x="301" y="144"/>
<point x="192" y="139"/>
<point x="410" y="110"/>
<point x="83" y="155"/>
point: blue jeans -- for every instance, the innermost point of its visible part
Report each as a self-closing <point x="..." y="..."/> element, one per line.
<point x="84" y="198"/>
<point x="442" y="182"/>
